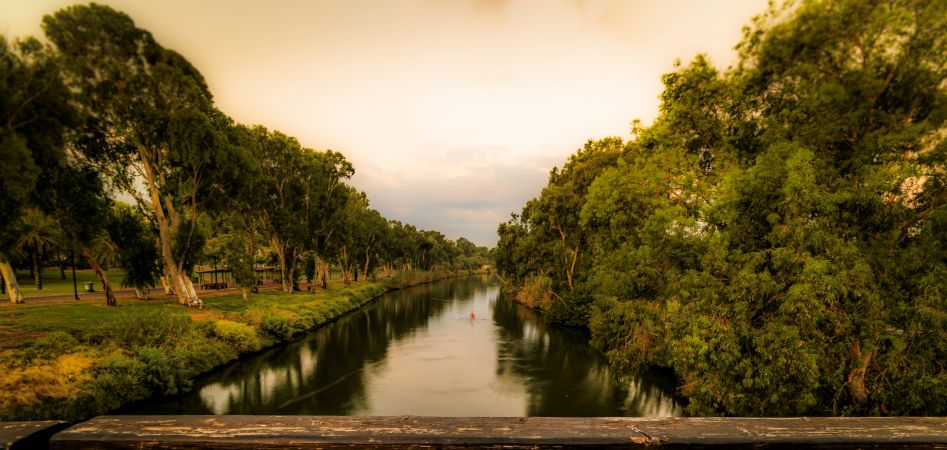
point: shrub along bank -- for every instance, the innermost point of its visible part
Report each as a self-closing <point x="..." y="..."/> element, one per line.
<point x="73" y="361"/>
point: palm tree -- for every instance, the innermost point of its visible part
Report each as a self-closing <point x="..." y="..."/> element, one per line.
<point x="36" y="235"/>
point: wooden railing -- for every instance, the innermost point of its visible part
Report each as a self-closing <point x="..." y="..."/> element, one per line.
<point x="299" y="432"/>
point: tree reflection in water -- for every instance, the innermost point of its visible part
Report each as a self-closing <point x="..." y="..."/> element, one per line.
<point x="566" y="377"/>
<point x="418" y="351"/>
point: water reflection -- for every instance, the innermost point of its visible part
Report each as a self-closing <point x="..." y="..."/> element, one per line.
<point x="450" y="348"/>
<point x="564" y="376"/>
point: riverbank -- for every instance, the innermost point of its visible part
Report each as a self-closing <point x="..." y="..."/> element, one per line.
<point x="72" y="361"/>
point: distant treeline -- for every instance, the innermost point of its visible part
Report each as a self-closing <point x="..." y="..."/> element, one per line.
<point x="777" y="235"/>
<point x="104" y="111"/>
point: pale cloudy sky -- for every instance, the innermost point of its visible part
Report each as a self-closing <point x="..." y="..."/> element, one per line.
<point x="453" y="111"/>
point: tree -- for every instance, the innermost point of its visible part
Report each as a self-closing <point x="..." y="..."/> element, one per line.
<point x="148" y="115"/>
<point x="34" y="117"/>
<point x="36" y="236"/>
<point x="361" y="231"/>
<point x="76" y="196"/>
<point x="555" y="238"/>
<point x="136" y="247"/>
<point x="282" y="161"/>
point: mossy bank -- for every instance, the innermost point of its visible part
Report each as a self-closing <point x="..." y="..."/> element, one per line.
<point x="72" y="361"/>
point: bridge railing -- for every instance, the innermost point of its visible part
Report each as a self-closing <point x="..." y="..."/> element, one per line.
<point x="236" y="432"/>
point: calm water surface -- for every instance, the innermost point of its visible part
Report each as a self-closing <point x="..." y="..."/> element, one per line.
<point x="420" y="351"/>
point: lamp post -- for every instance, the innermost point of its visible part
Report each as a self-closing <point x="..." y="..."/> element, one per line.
<point x="75" y="287"/>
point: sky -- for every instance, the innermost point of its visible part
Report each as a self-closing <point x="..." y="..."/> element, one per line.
<point x="452" y="111"/>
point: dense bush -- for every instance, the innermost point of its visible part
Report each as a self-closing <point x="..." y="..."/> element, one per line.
<point x="165" y="371"/>
<point x="142" y="327"/>
<point x="240" y="335"/>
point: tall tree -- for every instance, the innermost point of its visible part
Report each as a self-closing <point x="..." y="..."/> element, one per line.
<point x="34" y="118"/>
<point x="149" y="116"/>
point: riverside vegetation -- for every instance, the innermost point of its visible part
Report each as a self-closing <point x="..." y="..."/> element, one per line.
<point x="778" y="235"/>
<point x="72" y="361"/>
<point x="104" y="109"/>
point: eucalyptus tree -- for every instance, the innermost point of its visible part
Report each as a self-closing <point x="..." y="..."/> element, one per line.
<point x="77" y="197"/>
<point x="148" y="116"/>
<point x="281" y="159"/>
<point x="361" y="231"/>
<point x="66" y="187"/>
<point x="341" y="243"/>
<point x="326" y="199"/>
<point x="401" y="251"/>
<point x="35" y="117"/>
<point x="240" y="203"/>
<point x="556" y="247"/>
<point x="301" y="192"/>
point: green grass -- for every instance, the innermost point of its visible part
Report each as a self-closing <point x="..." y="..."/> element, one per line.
<point x="71" y="317"/>
<point x="53" y="283"/>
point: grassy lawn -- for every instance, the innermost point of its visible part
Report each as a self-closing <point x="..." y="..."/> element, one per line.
<point x="70" y="317"/>
<point x="54" y="284"/>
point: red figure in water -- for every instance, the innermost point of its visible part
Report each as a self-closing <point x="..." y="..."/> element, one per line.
<point x="472" y="316"/>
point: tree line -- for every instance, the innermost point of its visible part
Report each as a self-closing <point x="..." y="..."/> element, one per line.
<point x="777" y="235"/>
<point x="105" y="111"/>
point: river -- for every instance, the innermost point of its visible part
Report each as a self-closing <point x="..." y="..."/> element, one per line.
<point x="451" y="348"/>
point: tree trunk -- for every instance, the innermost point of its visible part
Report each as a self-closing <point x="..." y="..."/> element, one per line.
<point x="109" y="295"/>
<point x="140" y="294"/>
<point x="251" y="249"/>
<point x="293" y="275"/>
<point x="9" y="278"/>
<point x="367" y="259"/>
<point x="324" y="274"/>
<point x="37" y="270"/>
<point x="856" y="379"/>
<point x="166" y="284"/>
<point x="180" y="281"/>
<point x="286" y="283"/>
<point x="311" y="282"/>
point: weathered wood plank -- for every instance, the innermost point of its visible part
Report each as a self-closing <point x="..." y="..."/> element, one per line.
<point x="28" y="435"/>
<point x="299" y="432"/>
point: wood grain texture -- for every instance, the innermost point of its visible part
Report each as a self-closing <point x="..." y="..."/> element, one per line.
<point x="307" y="432"/>
<point x="28" y="435"/>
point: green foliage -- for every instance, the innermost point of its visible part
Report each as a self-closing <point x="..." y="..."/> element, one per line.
<point x="164" y="373"/>
<point x="137" y="247"/>
<point x="139" y="328"/>
<point x="188" y="244"/>
<point x="240" y="335"/>
<point x="776" y="235"/>
<point x="35" y="115"/>
<point x="50" y="346"/>
<point x="278" y="325"/>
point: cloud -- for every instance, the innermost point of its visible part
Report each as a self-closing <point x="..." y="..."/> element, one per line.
<point x="460" y="192"/>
